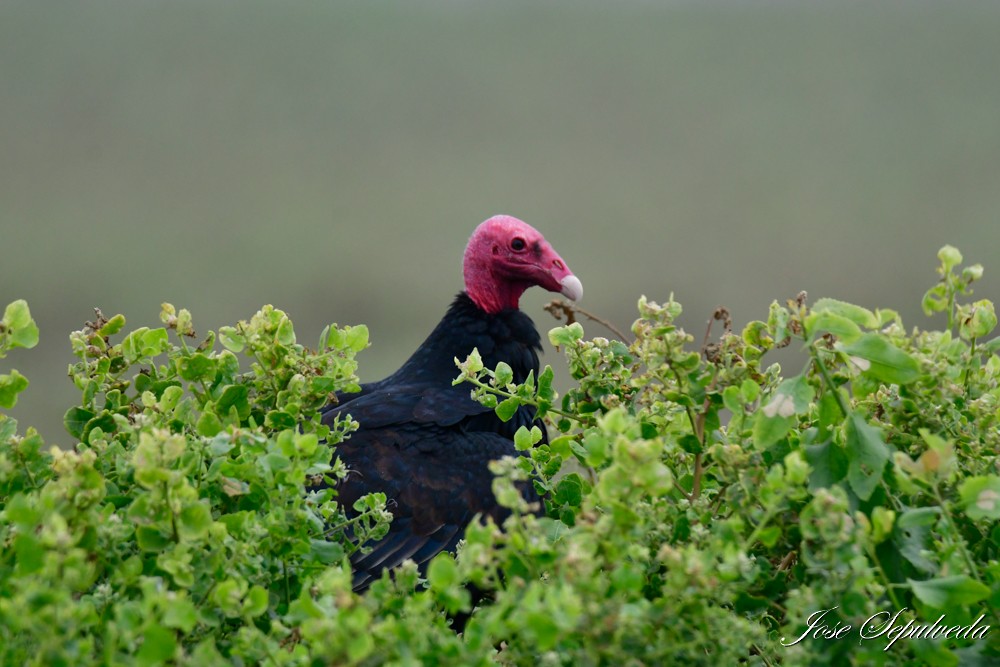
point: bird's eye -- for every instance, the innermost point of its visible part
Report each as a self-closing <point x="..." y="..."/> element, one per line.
<point x="518" y="244"/>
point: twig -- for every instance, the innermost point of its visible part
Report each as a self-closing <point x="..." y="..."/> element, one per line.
<point x="698" y="470"/>
<point x="787" y="561"/>
<point x="721" y="314"/>
<point x="828" y="381"/>
<point x="560" y="309"/>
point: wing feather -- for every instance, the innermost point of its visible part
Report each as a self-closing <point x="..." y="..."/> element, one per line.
<point x="435" y="479"/>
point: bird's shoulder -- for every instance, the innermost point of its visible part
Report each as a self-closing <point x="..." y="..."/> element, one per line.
<point x="422" y="390"/>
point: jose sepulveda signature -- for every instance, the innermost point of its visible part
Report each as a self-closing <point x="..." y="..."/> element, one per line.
<point x="888" y="626"/>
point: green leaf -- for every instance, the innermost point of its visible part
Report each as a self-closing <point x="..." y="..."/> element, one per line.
<point x="544" y="629"/>
<point x="231" y="339"/>
<point x="255" y="602"/>
<point x="777" y="321"/>
<point x="597" y="446"/>
<point x="992" y="347"/>
<point x="887" y="316"/>
<point x="158" y="646"/>
<point x="950" y="257"/>
<point x="981" y="497"/>
<point x="614" y="421"/>
<point x="276" y="462"/>
<point x="827" y="463"/>
<point x="134" y="347"/>
<point x="503" y="375"/>
<point x="949" y="592"/>
<point x="796" y="389"/>
<point x="830" y="415"/>
<point x="935" y="299"/>
<point x="181" y="614"/>
<point x="525" y="439"/>
<point x="194" y="521"/>
<point x="769" y="536"/>
<point x="474" y="362"/>
<point x="279" y="420"/>
<point x="356" y="337"/>
<point x="867" y="455"/>
<point x="104" y="421"/>
<point x="170" y="398"/>
<point x="561" y="445"/>
<point x="442" y="573"/>
<point x="977" y="320"/>
<point x="17" y="315"/>
<point x="569" y="491"/>
<point x="567" y="335"/>
<point x="627" y="578"/>
<point x="886" y="362"/>
<point x="8" y="427"/>
<point x="655" y="477"/>
<point x="234" y="395"/>
<point x="229" y="595"/>
<point x="856" y="314"/>
<point x="29" y="553"/>
<point x="841" y="327"/>
<point x="506" y="409"/>
<point x="154" y="342"/>
<point x="937" y="654"/>
<point x="75" y="420"/>
<point x="17" y="323"/>
<point x="359" y="644"/>
<point x="326" y="552"/>
<point x="208" y="424"/>
<point x="732" y="398"/>
<point x="769" y="430"/>
<point x="755" y="334"/>
<point x="545" y="378"/>
<point x="972" y="273"/>
<point x="750" y="390"/>
<point x="113" y="326"/>
<point x="690" y="443"/>
<point x="286" y="333"/>
<point x="306" y="443"/>
<point x="774" y="420"/>
<point x="196" y="367"/>
<point x="19" y="510"/>
<point x="11" y="385"/>
<point x="26" y="336"/>
<point x="883" y="520"/>
<point x="911" y="533"/>
<point x="151" y="539"/>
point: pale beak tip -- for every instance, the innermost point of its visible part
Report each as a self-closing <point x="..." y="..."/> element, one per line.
<point x="572" y="288"/>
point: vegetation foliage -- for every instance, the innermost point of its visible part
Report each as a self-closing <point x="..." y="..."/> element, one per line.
<point x="700" y="505"/>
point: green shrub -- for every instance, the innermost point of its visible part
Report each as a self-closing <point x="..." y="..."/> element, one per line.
<point x="701" y="507"/>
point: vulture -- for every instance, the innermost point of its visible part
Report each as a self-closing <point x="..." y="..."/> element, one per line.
<point x="426" y="443"/>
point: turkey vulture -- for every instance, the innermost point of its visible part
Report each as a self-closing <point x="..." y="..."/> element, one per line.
<point x="426" y="443"/>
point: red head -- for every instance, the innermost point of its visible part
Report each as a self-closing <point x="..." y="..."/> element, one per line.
<point x="506" y="256"/>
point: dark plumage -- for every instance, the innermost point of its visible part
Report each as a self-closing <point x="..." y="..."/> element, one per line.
<point x="426" y="443"/>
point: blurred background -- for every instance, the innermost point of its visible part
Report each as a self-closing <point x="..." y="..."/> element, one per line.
<point x="333" y="158"/>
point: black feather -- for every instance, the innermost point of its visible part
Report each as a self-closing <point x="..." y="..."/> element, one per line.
<point x="427" y="444"/>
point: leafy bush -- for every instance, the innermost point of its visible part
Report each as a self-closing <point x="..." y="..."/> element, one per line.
<point x="700" y="507"/>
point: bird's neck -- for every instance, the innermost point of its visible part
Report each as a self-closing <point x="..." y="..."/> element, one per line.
<point x="508" y="335"/>
<point x="492" y="293"/>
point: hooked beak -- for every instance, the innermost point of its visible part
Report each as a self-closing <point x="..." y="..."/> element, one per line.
<point x="558" y="277"/>
<point x="572" y="288"/>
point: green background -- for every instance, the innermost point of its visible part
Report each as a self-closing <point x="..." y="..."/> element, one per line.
<point x="332" y="158"/>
